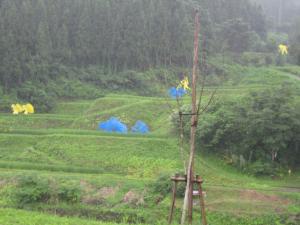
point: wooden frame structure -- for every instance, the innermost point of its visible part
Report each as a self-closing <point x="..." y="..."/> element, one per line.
<point x="197" y="180"/>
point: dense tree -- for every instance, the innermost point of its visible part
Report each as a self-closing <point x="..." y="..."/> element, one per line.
<point x="280" y="13"/>
<point x="262" y="126"/>
<point x="295" y="41"/>
<point x="36" y="35"/>
<point x="259" y="131"/>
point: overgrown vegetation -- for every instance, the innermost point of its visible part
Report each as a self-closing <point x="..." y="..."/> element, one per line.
<point x="257" y="132"/>
<point x="32" y="188"/>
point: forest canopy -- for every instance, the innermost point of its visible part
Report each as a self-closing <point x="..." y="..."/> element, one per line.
<point x="80" y="48"/>
<point x="37" y="36"/>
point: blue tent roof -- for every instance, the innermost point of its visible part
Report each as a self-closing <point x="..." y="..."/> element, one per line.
<point x="176" y="92"/>
<point x="113" y="125"/>
<point x="140" y="127"/>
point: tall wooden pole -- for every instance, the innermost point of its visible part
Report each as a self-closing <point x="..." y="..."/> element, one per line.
<point x="188" y="198"/>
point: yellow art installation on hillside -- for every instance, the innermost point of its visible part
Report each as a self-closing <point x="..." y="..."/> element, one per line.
<point x="26" y="109"/>
<point x="283" y="49"/>
<point x="16" y="109"/>
<point x="184" y="84"/>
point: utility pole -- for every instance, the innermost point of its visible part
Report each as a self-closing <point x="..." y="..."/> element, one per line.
<point x="188" y="198"/>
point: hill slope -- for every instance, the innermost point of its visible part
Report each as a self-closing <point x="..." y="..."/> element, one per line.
<point x="65" y="148"/>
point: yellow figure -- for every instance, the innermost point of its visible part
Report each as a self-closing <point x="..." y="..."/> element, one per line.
<point x="283" y="49"/>
<point x="28" y="109"/>
<point x="17" y="108"/>
<point x="184" y="84"/>
<point x="14" y="109"/>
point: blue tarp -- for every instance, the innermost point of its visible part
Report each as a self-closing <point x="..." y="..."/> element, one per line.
<point x="113" y="125"/>
<point x="177" y="92"/>
<point x="140" y="127"/>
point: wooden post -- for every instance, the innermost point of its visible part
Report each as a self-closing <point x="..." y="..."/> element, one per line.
<point x="173" y="199"/>
<point x="181" y="141"/>
<point x="201" y="199"/>
<point x="188" y="198"/>
<point x="190" y="203"/>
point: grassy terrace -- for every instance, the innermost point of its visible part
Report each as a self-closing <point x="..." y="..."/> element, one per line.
<point x="65" y="147"/>
<point x="8" y="217"/>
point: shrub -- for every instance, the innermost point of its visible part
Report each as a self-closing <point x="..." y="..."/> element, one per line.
<point x="256" y="59"/>
<point x="163" y="186"/>
<point x="31" y="189"/>
<point x="268" y="60"/>
<point x="260" y="168"/>
<point x="281" y="60"/>
<point x="69" y="193"/>
<point x="71" y="88"/>
<point x="35" y="95"/>
<point x="5" y="103"/>
<point x="261" y="126"/>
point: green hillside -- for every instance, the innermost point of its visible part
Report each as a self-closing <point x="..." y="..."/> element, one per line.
<point x="88" y="173"/>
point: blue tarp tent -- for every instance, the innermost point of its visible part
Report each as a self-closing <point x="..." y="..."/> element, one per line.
<point x="140" y="127"/>
<point x="113" y="125"/>
<point x="176" y="92"/>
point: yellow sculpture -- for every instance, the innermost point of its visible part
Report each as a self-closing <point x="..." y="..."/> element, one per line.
<point x="17" y="108"/>
<point x="283" y="49"/>
<point x="184" y="84"/>
<point x="26" y="109"/>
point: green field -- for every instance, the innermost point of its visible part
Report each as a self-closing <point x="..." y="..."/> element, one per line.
<point x="65" y="148"/>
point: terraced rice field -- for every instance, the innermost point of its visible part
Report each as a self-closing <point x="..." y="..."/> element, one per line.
<point x="66" y="147"/>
